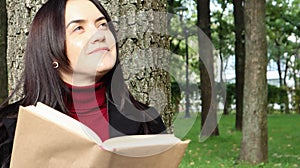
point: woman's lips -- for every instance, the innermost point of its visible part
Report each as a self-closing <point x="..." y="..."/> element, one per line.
<point x="100" y="49"/>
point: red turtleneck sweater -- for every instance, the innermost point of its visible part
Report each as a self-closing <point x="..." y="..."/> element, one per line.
<point x="87" y="104"/>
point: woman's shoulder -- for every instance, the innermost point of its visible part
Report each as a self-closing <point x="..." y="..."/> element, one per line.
<point x="8" y="117"/>
<point x="8" y="120"/>
<point x="10" y="109"/>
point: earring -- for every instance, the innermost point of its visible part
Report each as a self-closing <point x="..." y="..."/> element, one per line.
<point x="55" y="64"/>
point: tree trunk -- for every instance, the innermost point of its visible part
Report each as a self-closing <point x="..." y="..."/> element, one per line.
<point x="278" y="63"/>
<point x="20" y="15"/>
<point x="254" y="146"/>
<point x="209" y="123"/>
<point x="239" y="60"/>
<point x="286" y="100"/>
<point x="297" y="85"/>
<point x="283" y="99"/>
<point x="226" y="111"/>
<point x="141" y="36"/>
<point x="221" y="44"/>
<point x="3" y="47"/>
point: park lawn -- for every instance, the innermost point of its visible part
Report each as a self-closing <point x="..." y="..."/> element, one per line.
<point x="223" y="151"/>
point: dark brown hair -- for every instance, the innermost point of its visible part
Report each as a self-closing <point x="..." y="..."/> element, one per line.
<point x="42" y="83"/>
<point x="45" y="44"/>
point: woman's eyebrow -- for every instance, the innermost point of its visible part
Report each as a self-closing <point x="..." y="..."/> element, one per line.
<point x="75" y="21"/>
<point x="82" y="20"/>
<point x="100" y="19"/>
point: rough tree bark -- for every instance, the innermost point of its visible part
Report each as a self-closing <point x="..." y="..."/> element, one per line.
<point x="3" y="47"/>
<point x="254" y="146"/>
<point x="20" y="14"/>
<point x="142" y="27"/>
<point x="239" y="60"/>
<point x="142" y="40"/>
<point x="208" y="99"/>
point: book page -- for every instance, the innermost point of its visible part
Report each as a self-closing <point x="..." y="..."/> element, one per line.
<point x="141" y="145"/>
<point x="43" y="141"/>
<point x="65" y="121"/>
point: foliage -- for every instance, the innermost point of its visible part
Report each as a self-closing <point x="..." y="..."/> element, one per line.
<point x="172" y="4"/>
<point x="179" y="22"/>
<point x="175" y="95"/>
<point x="296" y="100"/>
<point x="283" y="34"/>
<point x="276" y="95"/>
<point x="223" y="151"/>
<point x="223" y="30"/>
<point x="230" y="95"/>
<point x="175" y="27"/>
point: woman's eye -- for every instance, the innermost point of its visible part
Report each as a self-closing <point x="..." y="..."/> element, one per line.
<point x="103" y="26"/>
<point x="78" y="28"/>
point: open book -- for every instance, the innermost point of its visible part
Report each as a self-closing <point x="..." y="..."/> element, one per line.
<point x="48" y="138"/>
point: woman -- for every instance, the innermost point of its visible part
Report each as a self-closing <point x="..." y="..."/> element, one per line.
<point x="72" y="65"/>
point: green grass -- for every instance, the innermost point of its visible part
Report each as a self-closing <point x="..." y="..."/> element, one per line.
<point x="223" y="151"/>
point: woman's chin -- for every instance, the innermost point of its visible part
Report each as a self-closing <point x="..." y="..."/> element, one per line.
<point x="101" y="72"/>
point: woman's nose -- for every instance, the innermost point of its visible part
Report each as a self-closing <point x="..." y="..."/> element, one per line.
<point x="97" y="36"/>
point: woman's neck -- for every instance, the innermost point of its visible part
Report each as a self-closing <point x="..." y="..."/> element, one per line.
<point x="79" y="79"/>
<point x="83" y="98"/>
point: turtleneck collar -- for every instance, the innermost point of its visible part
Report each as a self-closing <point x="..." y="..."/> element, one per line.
<point x="87" y="104"/>
<point x="84" y="98"/>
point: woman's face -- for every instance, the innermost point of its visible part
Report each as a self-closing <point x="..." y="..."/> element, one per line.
<point x="90" y="45"/>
